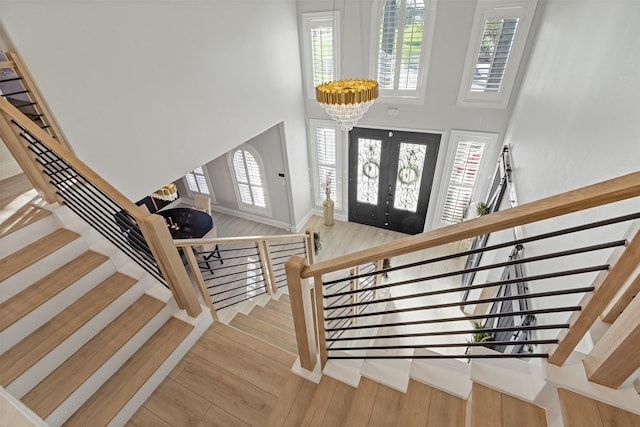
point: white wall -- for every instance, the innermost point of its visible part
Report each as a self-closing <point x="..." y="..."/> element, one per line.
<point x="146" y="91"/>
<point x="576" y="118"/>
<point x="576" y="121"/>
<point x="269" y="146"/>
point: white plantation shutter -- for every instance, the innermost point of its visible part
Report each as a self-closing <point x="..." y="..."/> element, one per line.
<point x="196" y="181"/>
<point x="249" y="179"/>
<point x="493" y="54"/>
<point x="322" y="53"/>
<point x="464" y="173"/>
<point x="496" y="46"/>
<point x="401" y="44"/>
<point x="326" y="155"/>
<point x="320" y="47"/>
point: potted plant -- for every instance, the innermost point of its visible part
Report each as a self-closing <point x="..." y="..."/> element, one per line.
<point x="482" y="208"/>
<point x="479" y="336"/>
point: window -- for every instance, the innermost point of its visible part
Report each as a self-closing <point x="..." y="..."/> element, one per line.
<point x="403" y="36"/>
<point x="497" y="41"/>
<point x="320" y="49"/>
<point x="197" y="182"/>
<point x="326" y="160"/>
<point x="468" y="163"/>
<point x="249" y="179"/>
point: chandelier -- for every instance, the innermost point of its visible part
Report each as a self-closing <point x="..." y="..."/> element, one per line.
<point x="346" y="101"/>
<point x="168" y="193"/>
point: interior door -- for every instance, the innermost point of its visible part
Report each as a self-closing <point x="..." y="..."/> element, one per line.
<point x="390" y="178"/>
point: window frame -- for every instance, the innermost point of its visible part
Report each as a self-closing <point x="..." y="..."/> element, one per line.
<point x="266" y="211"/>
<point x="317" y="186"/>
<point x="496" y="9"/>
<point x="399" y="96"/>
<point x="485" y="169"/>
<point x="308" y="21"/>
<point x="204" y="174"/>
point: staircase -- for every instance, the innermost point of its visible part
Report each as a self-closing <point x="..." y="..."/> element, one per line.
<point x="85" y="336"/>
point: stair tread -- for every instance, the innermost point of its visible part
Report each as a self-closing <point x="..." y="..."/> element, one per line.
<point x="292" y="402"/>
<point x="52" y="284"/>
<point x="279" y="305"/>
<point x="32" y="348"/>
<point x="265" y="332"/>
<point x="273" y="317"/>
<point x="107" y="401"/>
<point x="582" y="411"/>
<point x="264" y="348"/>
<point x="447" y="410"/>
<point x="53" y="390"/>
<point x="24" y="216"/>
<point x="490" y="407"/>
<point x="414" y="407"/>
<point x="339" y="405"/>
<point x="362" y="403"/>
<point x="320" y="402"/>
<point x="240" y="360"/>
<point x="22" y="258"/>
<point x="387" y="406"/>
<point x="285" y="299"/>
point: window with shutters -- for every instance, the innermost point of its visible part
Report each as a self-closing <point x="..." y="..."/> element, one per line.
<point x="403" y="34"/>
<point x="467" y="172"/>
<point x="196" y="182"/>
<point x="321" y="49"/>
<point x="249" y="180"/>
<point x="326" y="160"/>
<point x="497" y="42"/>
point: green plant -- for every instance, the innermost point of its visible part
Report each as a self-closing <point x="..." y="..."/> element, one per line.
<point x="317" y="243"/>
<point x="482" y="208"/>
<point x="478" y="336"/>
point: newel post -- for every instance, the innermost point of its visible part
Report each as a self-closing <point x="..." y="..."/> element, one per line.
<point x="302" y="311"/>
<point x="157" y="236"/>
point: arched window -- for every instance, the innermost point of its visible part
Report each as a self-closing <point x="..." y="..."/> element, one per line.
<point x="249" y="179"/>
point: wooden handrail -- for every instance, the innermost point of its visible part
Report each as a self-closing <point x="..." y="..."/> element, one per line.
<point x="152" y="226"/>
<point x="241" y="239"/>
<point x="66" y="154"/>
<point x="602" y="193"/>
<point x="21" y="71"/>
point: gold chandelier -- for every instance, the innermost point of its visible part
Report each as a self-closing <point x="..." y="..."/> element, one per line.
<point x="346" y="101"/>
<point x="168" y="193"/>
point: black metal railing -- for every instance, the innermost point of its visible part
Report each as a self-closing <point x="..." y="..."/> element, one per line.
<point x="507" y="316"/>
<point x="93" y="205"/>
<point x="14" y="90"/>
<point x="236" y="272"/>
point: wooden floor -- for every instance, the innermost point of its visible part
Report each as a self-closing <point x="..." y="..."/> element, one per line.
<point x="582" y="411"/>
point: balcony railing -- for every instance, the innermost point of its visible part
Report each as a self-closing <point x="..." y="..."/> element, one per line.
<point x="537" y="305"/>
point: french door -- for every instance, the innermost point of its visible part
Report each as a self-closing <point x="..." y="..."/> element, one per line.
<point x="390" y="178"/>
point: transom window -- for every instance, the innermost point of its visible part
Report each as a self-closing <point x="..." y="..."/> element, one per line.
<point x="402" y="48"/>
<point x="249" y="179"/>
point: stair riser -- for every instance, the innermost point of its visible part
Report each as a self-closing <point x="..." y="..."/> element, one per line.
<point x="42" y="314"/>
<point x="23" y="237"/>
<point x="36" y="271"/>
<point x="93" y="383"/>
<point x="161" y="373"/>
<point x="62" y="352"/>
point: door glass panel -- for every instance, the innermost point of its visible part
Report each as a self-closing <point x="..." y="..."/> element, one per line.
<point x="368" y="170"/>
<point x="410" y="165"/>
